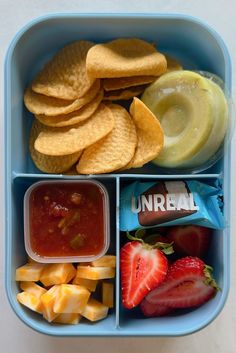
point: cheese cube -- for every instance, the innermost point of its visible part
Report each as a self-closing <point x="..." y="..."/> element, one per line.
<point x="71" y="299"/>
<point x="95" y="310"/>
<point x="30" y="301"/>
<point x="33" y="288"/>
<point x="94" y="273"/>
<point x="87" y="283"/>
<point x="48" y="300"/>
<point x="72" y="319"/>
<point x="57" y="274"/>
<point x="108" y="294"/>
<point x="29" y="272"/>
<point x="105" y="261"/>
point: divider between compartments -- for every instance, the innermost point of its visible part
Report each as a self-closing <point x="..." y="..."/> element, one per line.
<point x="15" y="175"/>
<point x="117" y="252"/>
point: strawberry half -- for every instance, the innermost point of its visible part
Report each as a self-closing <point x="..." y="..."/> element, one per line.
<point x="152" y="310"/>
<point x="143" y="267"/>
<point x="190" y="240"/>
<point x="188" y="284"/>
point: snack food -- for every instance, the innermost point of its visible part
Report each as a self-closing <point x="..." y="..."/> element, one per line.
<point x="190" y="240"/>
<point x="40" y="104"/>
<point x="60" y="218"/>
<point x="65" y="303"/>
<point x="188" y="284"/>
<point x="65" y="98"/>
<point x="193" y="113"/>
<point x="143" y="268"/>
<point x="149" y="132"/>
<point x="115" y="150"/>
<point x="75" y="117"/>
<point x="67" y="140"/>
<point x="172" y="63"/>
<point x="171" y="203"/>
<point x="49" y="164"/>
<point x="125" y="58"/>
<point x="65" y="76"/>
<point x="159" y="286"/>
<point x="111" y="84"/>
<point x="124" y="94"/>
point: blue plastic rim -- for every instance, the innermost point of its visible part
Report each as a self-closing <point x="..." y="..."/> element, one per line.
<point x="198" y="47"/>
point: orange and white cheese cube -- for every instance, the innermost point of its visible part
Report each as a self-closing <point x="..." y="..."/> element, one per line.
<point x="48" y="300"/>
<point x="30" y="301"/>
<point x="29" y="272"/>
<point x="95" y="273"/>
<point x="105" y="261"/>
<point x="71" y="319"/>
<point x="33" y="288"/>
<point x="57" y="274"/>
<point x="95" y="310"/>
<point x="71" y="299"/>
<point x="87" y="283"/>
<point x="108" y="294"/>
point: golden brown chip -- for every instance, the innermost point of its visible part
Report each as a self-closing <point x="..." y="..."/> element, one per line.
<point x="72" y="118"/>
<point x="71" y="171"/>
<point x="124" y="58"/>
<point x="124" y="94"/>
<point x="55" y="141"/>
<point x="115" y="150"/>
<point x="49" y="164"/>
<point x="111" y="84"/>
<point x="149" y="132"/>
<point x="40" y="104"/>
<point x="65" y="75"/>
<point x="173" y="64"/>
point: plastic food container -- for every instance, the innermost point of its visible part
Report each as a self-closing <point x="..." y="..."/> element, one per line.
<point x="198" y="47"/>
<point x="62" y="186"/>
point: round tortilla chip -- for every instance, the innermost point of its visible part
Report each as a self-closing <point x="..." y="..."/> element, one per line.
<point x="49" y="164"/>
<point x="111" y="84"/>
<point x="65" y="75"/>
<point x="55" y="141"/>
<point x="149" y="132"/>
<point x="71" y="171"/>
<point x="115" y="150"/>
<point x="72" y="118"/>
<point x="124" y="94"/>
<point x="40" y="104"/>
<point x="125" y="58"/>
<point x="172" y="64"/>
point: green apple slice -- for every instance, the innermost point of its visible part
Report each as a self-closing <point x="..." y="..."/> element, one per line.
<point x="219" y="129"/>
<point x="183" y="103"/>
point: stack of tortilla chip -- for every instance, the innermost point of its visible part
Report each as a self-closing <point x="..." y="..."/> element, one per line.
<point x="75" y="122"/>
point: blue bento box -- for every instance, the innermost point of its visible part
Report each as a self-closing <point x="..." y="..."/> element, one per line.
<point x="198" y="47"/>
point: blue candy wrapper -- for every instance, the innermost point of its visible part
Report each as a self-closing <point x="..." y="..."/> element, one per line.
<point x="168" y="203"/>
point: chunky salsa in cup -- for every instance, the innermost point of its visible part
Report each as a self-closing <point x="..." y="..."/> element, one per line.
<point x="67" y="219"/>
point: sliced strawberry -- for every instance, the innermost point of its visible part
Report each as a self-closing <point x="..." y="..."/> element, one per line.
<point x="152" y="310"/>
<point x="190" y="240"/>
<point x="142" y="269"/>
<point x="188" y="284"/>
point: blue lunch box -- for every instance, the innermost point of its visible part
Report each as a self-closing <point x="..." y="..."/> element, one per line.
<point x="198" y="47"/>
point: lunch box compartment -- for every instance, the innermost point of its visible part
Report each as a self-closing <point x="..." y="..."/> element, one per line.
<point x="19" y="258"/>
<point x="197" y="47"/>
<point x="179" y="37"/>
<point x="185" y="320"/>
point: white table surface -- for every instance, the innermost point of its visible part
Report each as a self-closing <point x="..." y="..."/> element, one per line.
<point x="219" y="337"/>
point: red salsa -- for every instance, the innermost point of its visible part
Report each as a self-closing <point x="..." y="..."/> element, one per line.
<point x="67" y="219"/>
